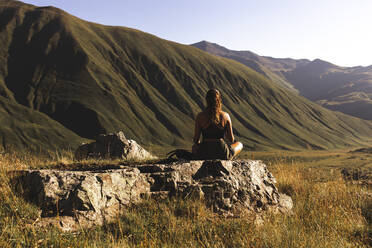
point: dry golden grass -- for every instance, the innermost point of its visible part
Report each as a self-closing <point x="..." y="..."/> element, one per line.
<point x="327" y="213"/>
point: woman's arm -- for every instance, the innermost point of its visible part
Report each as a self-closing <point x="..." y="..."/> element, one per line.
<point x="197" y="130"/>
<point x="228" y="129"/>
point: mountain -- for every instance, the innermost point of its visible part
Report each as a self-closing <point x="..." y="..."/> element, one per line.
<point x="345" y="89"/>
<point x="271" y="68"/>
<point x="22" y="127"/>
<point x="94" y="79"/>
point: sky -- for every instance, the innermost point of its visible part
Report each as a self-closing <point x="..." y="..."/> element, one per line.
<point x="338" y="31"/>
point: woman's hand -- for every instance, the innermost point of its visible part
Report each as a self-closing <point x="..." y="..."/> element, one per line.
<point x="195" y="148"/>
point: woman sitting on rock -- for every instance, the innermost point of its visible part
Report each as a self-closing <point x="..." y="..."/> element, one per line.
<point x="215" y="126"/>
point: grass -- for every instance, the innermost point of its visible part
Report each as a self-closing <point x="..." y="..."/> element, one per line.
<point x="327" y="213"/>
<point x="330" y="161"/>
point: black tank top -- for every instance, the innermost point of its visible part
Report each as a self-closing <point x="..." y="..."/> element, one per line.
<point x="213" y="132"/>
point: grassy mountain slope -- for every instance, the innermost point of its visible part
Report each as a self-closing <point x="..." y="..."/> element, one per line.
<point x="23" y="127"/>
<point x="93" y="78"/>
<point x="345" y="89"/>
<point x="272" y="68"/>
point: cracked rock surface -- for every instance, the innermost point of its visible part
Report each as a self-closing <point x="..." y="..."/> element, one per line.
<point x="86" y="198"/>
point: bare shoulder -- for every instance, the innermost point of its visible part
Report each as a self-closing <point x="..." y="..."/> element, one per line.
<point x="225" y="115"/>
<point x="200" y="116"/>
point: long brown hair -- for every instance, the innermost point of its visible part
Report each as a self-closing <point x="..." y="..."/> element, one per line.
<point x="214" y="103"/>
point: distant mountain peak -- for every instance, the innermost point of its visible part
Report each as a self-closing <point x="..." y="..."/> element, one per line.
<point x="205" y="43"/>
<point x="323" y="63"/>
<point x="211" y="47"/>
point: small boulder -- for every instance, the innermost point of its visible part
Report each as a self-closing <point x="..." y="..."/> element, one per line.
<point x="113" y="146"/>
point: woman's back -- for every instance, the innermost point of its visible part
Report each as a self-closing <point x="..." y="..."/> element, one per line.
<point x="215" y="126"/>
<point x="211" y="130"/>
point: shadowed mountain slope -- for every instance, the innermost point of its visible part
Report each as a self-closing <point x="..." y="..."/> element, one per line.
<point x="93" y="79"/>
<point x="345" y="89"/>
<point x="22" y="127"/>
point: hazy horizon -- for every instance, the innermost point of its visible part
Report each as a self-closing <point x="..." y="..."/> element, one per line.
<point x="333" y="30"/>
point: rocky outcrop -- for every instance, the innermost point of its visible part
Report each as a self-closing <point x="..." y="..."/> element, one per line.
<point x="84" y="198"/>
<point x="112" y="146"/>
<point x="231" y="187"/>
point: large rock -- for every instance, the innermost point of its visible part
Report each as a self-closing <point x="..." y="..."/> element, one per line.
<point x="84" y="198"/>
<point x="112" y="146"/>
<point x="90" y="197"/>
<point x="230" y="187"/>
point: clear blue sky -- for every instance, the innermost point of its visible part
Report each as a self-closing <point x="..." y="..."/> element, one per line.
<point x="338" y="31"/>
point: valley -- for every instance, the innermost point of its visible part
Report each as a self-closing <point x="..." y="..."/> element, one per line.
<point x="95" y="79"/>
<point x="344" y="89"/>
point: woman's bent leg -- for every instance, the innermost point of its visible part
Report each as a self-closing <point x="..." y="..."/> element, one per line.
<point x="237" y="147"/>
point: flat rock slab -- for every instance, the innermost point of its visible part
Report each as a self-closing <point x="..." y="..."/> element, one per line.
<point x="86" y="198"/>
